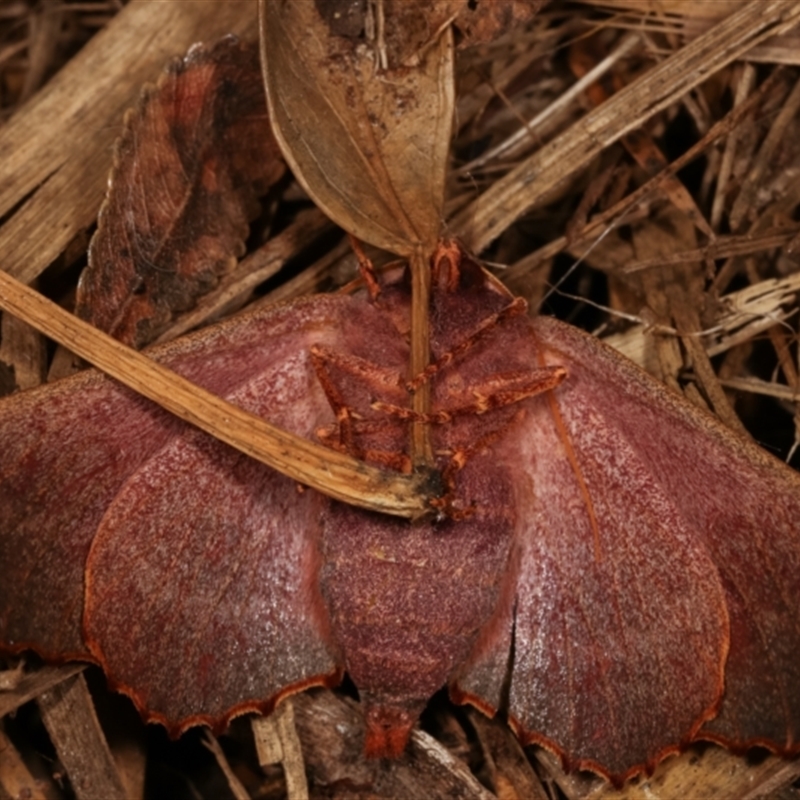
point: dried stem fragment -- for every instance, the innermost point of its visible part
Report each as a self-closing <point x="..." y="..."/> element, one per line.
<point x="331" y="473"/>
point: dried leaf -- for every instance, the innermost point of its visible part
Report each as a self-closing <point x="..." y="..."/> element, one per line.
<point x="194" y="156"/>
<point x="57" y="149"/>
<point x="368" y="143"/>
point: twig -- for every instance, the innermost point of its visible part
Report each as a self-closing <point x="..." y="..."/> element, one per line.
<point x="234" y="784"/>
<point x="71" y="721"/>
<point x="332" y="473"/>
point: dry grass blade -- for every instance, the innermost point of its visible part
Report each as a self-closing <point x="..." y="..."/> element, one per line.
<point x="686" y="20"/>
<point x="512" y="774"/>
<point x="72" y="723"/>
<point x="234" y="784"/>
<point x="332" y="473"/>
<point x="722" y="247"/>
<point x="517" y="192"/>
<point x="747" y="198"/>
<point x="711" y="775"/>
<point x="766" y="388"/>
<point x="745" y="314"/>
<point x="593" y="231"/>
<point x="575" y="91"/>
<point x="34" y="683"/>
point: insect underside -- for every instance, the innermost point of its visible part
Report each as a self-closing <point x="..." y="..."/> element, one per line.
<point x="408" y="602"/>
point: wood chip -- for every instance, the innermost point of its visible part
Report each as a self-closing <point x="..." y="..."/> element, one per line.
<point x="69" y="716"/>
<point x="277" y="742"/>
<point x="34" y="683"/>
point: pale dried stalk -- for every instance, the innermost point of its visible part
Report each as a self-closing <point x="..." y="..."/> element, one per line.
<point x="234" y="784"/>
<point x="71" y="720"/>
<point x="723" y="247"/>
<point x="744" y="87"/>
<point x="757" y="386"/>
<point x="689" y="20"/>
<point x="421" y="450"/>
<point x="332" y="473"/>
<point x="563" y="101"/>
<point x="753" y="182"/>
<point x="749" y="312"/>
<point x="277" y="742"/>
<point x="510" y="197"/>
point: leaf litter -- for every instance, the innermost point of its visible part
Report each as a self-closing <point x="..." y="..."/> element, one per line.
<point x="539" y="224"/>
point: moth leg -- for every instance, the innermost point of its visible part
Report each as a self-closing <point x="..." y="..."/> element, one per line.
<point x="366" y="268"/>
<point x="400" y="462"/>
<point x="324" y="360"/>
<point x="380" y="379"/>
<point x="513" y="387"/>
<point x="342" y="437"/>
<point x="496" y="392"/>
<point x="516" y="307"/>
<point x="458" y="460"/>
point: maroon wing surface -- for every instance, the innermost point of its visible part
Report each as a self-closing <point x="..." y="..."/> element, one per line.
<point x="657" y="574"/>
<point x="190" y="569"/>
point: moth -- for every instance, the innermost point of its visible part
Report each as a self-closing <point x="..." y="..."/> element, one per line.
<point x="605" y="564"/>
<point x="606" y="540"/>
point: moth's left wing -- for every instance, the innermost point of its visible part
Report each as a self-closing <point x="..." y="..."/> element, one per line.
<point x="188" y="571"/>
<point x="657" y="579"/>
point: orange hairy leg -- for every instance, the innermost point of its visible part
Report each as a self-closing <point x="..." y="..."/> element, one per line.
<point x="366" y="268"/>
<point x="326" y="362"/>
<point x="495" y="392"/>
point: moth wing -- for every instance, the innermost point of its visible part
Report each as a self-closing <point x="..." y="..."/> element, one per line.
<point x="168" y="531"/>
<point x="67" y="448"/>
<point x="655" y="595"/>
<point x="201" y="581"/>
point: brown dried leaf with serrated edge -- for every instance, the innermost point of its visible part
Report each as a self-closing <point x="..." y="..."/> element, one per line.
<point x="194" y="156"/>
<point x="369" y="145"/>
